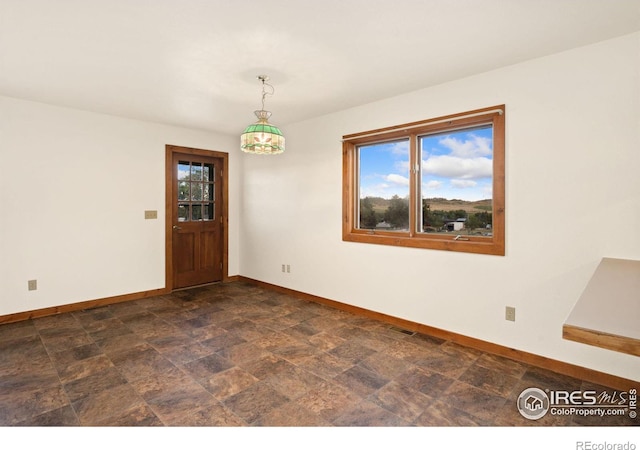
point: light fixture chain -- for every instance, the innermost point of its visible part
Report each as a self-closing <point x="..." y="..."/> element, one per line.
<point x="264" y="79"/>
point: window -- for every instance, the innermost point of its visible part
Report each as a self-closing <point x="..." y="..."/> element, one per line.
<point x="196" y="195"/>
<point x="436" y="184"/>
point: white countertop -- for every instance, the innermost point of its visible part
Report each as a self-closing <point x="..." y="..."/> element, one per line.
<point x="611" y="301"/>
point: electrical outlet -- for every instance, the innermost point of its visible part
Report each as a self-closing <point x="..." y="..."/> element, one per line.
<point x="288" y="268"/>
<point x="33" y="285"/>
<point x="283" y="268"/>
<point x="510" y="313"/>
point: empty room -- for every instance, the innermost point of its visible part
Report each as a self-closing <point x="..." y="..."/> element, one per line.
<point x="319" y="214"/>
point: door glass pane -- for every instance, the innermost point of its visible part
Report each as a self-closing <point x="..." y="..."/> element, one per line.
<point x="183" y="170"/>
<point x="196" y="192"/>
<point x="183" y="190"/>
<point x="183" y="213"/>
<point x="208" y="192"/>
<point x="207" y="172"/>
<point x="208" y="211"/>
<point x="196" y="189"/>
<point x="196" y="171"/>
<point x="196" y="212"/>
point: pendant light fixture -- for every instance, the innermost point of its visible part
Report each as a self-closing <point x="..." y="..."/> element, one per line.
<point x="261" y="137"/>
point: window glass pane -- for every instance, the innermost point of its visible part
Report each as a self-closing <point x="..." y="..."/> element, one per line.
<point x="196" y="192"/>
<point x="207" y="211"/>
<point x="208" y="192"/>
<point x="183" y="170"/>
<point x="196" y="212"/>
<point x="383" y="175"/>
<point x="183" y="190"/>
<point x="183" y="213"/>
<point x="207" y="172"/>
<point x="456" y="182"/>
<point x="196" y="171"/>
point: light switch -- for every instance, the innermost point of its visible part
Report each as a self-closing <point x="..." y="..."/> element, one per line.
<point x="151" y="214"/>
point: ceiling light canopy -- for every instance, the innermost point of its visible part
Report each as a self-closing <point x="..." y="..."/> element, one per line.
<point x="261" y="137"/>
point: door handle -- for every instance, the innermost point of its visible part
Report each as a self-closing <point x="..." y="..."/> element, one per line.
<point x="176" y="227"/>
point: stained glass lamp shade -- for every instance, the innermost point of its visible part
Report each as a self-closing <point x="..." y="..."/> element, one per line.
<point x="261" y="137"/>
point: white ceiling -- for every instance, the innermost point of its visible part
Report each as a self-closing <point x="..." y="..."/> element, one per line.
<point x="194" y="63"/>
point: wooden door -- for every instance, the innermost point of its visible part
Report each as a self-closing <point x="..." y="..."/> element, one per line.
<point x="197" y="217"/>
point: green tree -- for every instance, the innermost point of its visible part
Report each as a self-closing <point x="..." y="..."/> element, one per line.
<point x="473" y="221"/>
<point x="457" y="214"/>
<point x="426" y="214"/>
<point x="479" y="220"/>
<point x="368" y="217"/>
<point x="397" y="213"/>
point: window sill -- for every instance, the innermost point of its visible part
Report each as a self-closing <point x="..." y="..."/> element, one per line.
<point x="465" y="244"/>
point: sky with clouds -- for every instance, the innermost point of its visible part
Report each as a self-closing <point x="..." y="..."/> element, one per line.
<point x="456" y="164"/>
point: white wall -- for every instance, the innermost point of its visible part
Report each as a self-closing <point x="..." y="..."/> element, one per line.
<point x="572" y="197"/>
<point x="74" y="186"/>
<point x="73" y="190"/>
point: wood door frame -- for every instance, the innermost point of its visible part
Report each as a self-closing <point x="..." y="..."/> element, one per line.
<point x="170" y="150"/>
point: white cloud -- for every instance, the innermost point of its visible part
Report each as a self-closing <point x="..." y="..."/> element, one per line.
<point x="401" y="166"/>
<point x="397" y="179"/>
<point x="390" y="185"/>
<point x="432" y="185"/>
<point x="375" y="190"/>
<point x="463" y="184"/>
<point x="471" y="148"/>
<point x="456" y="167"/>
<point x="431" y="188"/>
<point x="400" y="148"/>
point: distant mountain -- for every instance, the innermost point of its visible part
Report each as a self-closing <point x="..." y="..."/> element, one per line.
<point x="443" y="204"/>
<point x="440" y="204"/>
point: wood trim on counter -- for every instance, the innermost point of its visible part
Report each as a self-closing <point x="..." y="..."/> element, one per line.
<point x="601" y="339"/>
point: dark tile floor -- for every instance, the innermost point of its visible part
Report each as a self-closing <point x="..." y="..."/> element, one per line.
<point x="235" y="354"/>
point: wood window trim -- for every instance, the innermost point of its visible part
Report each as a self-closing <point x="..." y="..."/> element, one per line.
<point x="494" y="245"/>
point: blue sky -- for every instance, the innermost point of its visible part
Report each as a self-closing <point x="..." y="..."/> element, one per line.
<point x="454" y="165"/>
